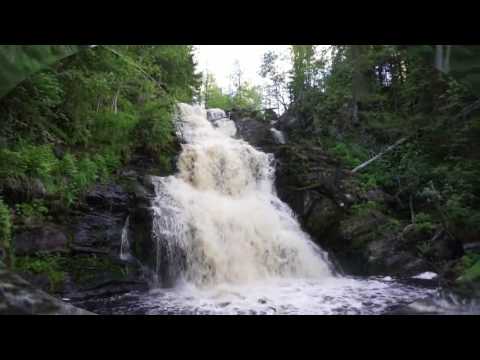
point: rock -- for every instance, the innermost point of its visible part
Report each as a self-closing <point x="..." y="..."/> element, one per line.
<point x="47" y="239"/>
<point x="256" y="132"/>
<point x="439" y="245"/>
<point x="288" y="122"/>
<point x="215" y="114"/>
<point x="18" y="297"/>
<point x="23" y="191"/>
<point x="322" y="217"/>
<point x="401" y="264"/>
<point x="108" y="197"/>
<point x="142" y="241"/>
<point x="37" y="189"/>
<point x="59" y="151"/>
<point x="379" y="196"/>
<point x="100" y="230"/>
<point x="473" y="247"/>
<point x="445" y="247"/>
<point x="102" y="226"/>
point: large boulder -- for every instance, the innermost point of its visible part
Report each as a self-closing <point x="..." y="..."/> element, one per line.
<point x="256" y="132"/>
<point x="18" y="297"/>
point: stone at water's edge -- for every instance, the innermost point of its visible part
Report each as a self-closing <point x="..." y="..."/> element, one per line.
<point x="18" y="297"/>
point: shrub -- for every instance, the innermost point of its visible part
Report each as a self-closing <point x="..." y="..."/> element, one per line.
<point x="424" y="222"/>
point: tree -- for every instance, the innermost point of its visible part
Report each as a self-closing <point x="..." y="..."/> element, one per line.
<point x="303" y="72"/>
<point x="276" y="92"/>
<point x="248" y="97"/>
<point x="213" y="96"/>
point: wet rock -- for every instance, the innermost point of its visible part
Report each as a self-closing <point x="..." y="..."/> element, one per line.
<point x="215" y="114"/>
<point x="321" y="217"/>
<point x="256" y="132"/>
<point x="108" y="197"/>
<point x="100" y="231"/>
<point x="46" y="239"/>
<point x="18" y="297"/>
<point x="101" y="227"/>
<point x="288" y="121"/>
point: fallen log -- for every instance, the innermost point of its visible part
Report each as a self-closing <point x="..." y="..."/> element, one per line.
<point x="387" y="150"/>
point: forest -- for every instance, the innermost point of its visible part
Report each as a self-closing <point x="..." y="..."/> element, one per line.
<point x="378" y="161"/>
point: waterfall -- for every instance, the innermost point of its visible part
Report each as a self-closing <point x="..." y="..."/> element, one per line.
<point x="278" y="136"/>
<point x="125" y="244"/>
<point x="219" y="220"/>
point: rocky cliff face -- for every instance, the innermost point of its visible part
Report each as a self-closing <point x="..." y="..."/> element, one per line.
<point x="79" y="258"/>
<point x="358" y="228"/>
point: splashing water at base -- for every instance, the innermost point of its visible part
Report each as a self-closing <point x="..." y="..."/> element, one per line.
<point x="227" y="245"/>
<point x="339" y="296"/>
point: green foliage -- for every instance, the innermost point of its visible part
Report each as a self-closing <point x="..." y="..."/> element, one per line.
<point x="246" y="96"/>
<point x="33" y="212"/>
<point x="76" y="123"/>
<point x="350" y="154"/>
<point x="84" y="269"/>
<point x="44" y="264"/>
<point x="424" y="248"/>
<point x="424" y="222"/>
<point x="399" y="94"/>
<point x="6" y="233"/>
<point x="469" y="268"/>
<point x="366" y="208"/>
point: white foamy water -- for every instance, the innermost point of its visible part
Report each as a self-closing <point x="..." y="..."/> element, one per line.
<point x="221" y="215"/>
<point x="125" y="244"/>
<point x="278" y="136"/>
<point x="227" y="245"/>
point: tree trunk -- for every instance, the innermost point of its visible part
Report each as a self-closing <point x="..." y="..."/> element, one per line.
<point x="387" y="150"/>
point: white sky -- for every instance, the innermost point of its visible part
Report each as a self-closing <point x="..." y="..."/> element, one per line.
<point x="220" y="59"/>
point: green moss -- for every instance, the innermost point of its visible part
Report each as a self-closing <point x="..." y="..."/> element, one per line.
<point x="85" y="269"/>
<point x="391" y="226"/>
<point x="424" y="223"/>
<point x="50" y="265"/>
<point x="82" y="270"/>
<point x="471" y="274"/>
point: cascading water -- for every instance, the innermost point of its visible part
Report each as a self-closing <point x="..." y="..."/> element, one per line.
<point x="227" y="245"/>
<point x="125" y="244"/>
<point x="225" y="224"/>
<point x="278" y="136"/>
